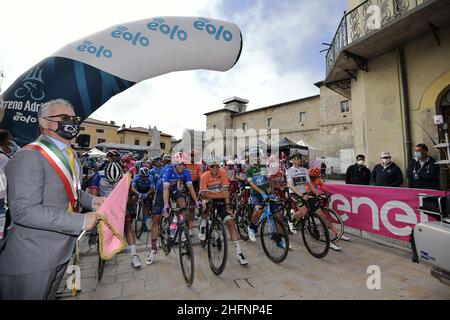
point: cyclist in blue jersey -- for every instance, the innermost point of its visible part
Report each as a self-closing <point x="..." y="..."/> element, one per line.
<point x="157" y="168"/>
<point x="166" y="189"/>
<point x="143" y="186"/>
<point x="103" y="184"/>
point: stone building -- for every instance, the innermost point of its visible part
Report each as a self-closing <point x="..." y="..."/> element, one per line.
<point x="93" y="132"/>
<point x="323" y="121"/>
<point x="391" y="59"/>
<point x="139" y="136"/>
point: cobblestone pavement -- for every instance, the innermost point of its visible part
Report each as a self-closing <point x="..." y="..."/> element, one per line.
<point x="340" y="275"/>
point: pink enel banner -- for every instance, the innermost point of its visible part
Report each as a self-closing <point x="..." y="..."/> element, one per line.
<point x="390" y="212"/>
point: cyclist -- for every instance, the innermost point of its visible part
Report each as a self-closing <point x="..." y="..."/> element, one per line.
<point x="214" y="186"/>
<point x="103" y="185"/>
<point x="257" y="177"/>
<point x="166" y="161"/>
<point x="135" y="170"/>
<point x="149" y="164"/>
<point x="232" y="176"/>
<point x="316" y="180"/>
<point x="111" y="156"/>
<point x="301" y="202"/>
<point x="166" y="189"/>
<point x="128" y="163"/>
<point x="157" y="168"/>
<point x="196" y="170"/>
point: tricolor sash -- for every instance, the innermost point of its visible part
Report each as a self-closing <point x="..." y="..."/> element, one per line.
<point x="59" y="163"/>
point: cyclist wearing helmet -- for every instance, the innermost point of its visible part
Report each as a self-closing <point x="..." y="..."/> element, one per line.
<point x="214" y="186"/>
<point x="149" y="164"/>
<point x="277" y="177"/>
<point x="195" y="169"/>
<point x="315" y="177"/>
<point x="166" y="189"/>
<point x="103" y="185"/>
<point x="105" y="180"/>
<point x="128" y="162"/>
<point x="232" y="175"/>
<point x="135" y="170"/>
<point x="142" y="186"/>
<point x="111" y="156"/>
<point x="301" y="201"/>
<point x="258" y="178"/>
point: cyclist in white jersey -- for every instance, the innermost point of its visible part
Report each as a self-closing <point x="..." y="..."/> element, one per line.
<point x="297" y="179"/>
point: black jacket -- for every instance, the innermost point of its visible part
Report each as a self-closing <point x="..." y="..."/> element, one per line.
<point x="357" y="174"/>
<point x="388" y="177"/>
<point x="427" y="176"/>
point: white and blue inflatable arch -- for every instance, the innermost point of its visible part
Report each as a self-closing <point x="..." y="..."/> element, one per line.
<point x="88" y="72"/>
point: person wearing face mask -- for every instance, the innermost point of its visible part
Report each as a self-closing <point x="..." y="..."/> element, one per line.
<point x="423" y="172"/>
<point x="44" y="199"/>
<point x="358" y="173"/>
<point x="387" y="173"/>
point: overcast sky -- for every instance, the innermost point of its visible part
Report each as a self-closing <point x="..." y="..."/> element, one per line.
<point x="280" y="60"/>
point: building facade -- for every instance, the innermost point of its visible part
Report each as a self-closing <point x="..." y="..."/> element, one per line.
<point x="139" y="136"/>
<point x="391" y="59"/>
<point x="323" y="122"/>
<point x="93" y="132"/>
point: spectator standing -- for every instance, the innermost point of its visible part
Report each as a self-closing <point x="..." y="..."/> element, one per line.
<point x="358" y="173"/>
<point x="386" y="173"/>
<point x="423" y="171"/>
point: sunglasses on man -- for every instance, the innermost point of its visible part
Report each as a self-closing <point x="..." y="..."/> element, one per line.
<point x="66" y="117"/>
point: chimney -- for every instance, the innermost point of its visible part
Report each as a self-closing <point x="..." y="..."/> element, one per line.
<point x="236" y="104"/>
<point x="113" y="123"/>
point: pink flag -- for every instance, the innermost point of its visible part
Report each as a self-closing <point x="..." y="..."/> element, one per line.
<point x="113" y="209"/>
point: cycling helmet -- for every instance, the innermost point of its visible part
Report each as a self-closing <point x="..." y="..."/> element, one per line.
<point x="314" y="172"/>
<point x="130" y="154"/>
<point x="179" y="158"/>
<point x="212" y="160"/>
<point x="113" y="153"/>
<point x="113" y="172"/>
<point x="295" y="155"/>
<point x="230" y="163"/>
<point x="138" y="165"/>
<point x="149" y="161"/>
<point x="144" y="171"/>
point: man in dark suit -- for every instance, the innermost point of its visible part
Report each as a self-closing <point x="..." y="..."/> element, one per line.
<point x="44" y="199"/>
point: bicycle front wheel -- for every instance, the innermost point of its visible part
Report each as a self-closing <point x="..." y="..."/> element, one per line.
<point x="186" y="255"/>
<point x="315" y="235"/>
<point x="217" y="247"/>
<point x="274" y="239"/>
<point x="336" y="220"/>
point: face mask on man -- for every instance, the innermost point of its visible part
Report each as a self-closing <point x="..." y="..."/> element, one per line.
<point x="67" y="129"/>
<point x="361" y="162"/>
<point x="418" y="154"/>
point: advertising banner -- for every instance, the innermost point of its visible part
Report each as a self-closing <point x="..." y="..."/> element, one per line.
<point x="88" y="72"/>
<point x="390" y="212"/>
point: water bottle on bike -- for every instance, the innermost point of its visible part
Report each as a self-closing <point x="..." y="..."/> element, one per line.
<point x="173" y="226"/>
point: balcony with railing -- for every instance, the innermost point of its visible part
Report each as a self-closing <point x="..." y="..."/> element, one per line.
<point x="374" y="27"/>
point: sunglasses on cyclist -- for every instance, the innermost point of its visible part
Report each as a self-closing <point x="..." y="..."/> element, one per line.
<point x="66" y="117"/>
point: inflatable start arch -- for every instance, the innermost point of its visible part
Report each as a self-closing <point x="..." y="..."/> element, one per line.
<point x="88" y="72"/>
